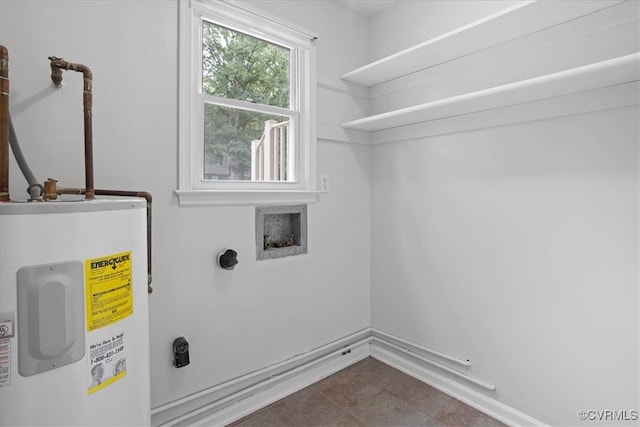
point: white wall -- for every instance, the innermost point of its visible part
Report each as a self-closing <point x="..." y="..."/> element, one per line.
<point x="423" y="20"/>
<point x="236" y="322"/>
<point x="514" y="246"/>
<point x="517" y="247"/>
<point x="584" y="41"/>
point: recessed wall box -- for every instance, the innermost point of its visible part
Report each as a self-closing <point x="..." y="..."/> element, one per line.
<point x="281" y="231"/>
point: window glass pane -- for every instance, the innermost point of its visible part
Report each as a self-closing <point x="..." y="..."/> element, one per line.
<point x="238" y="66"/>
<point x="246" y="145"/>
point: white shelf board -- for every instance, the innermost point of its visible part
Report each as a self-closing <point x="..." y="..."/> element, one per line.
<point x="604" y="74"/>
<point x="618" y="96"/>
<point x="519" y="20"/>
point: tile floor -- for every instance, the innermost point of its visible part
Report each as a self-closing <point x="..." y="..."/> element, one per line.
<point x="368" y="393"/>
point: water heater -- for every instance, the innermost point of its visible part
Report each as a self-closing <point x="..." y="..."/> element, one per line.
<point x="74" y="341"/>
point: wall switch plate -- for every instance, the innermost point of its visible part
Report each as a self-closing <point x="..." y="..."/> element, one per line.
<point x="324" y="183"/>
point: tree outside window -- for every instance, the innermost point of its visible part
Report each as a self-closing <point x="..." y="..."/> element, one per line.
<point x="243" y="77"/>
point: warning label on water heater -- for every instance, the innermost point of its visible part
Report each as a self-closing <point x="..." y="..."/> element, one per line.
<point x="107" y="361"/>
<point x="109" y="289"/>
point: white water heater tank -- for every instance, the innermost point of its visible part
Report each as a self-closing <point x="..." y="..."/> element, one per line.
<point x="74" y="329"/>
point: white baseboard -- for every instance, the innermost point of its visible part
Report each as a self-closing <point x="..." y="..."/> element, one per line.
<point x="228" y="402"/>
<point x="234" y="399"/>
<point x="304" y="378"/>
<point x="462" y="390"/>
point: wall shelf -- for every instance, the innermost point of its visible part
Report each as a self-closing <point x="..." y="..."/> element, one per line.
<point x="519" y="20"/>
<point x="605" y="78"/>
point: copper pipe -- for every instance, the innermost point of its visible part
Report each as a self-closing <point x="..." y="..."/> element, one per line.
<point x="123" y="193"/>
<point x="147" y="197"/>
<point x="4" y="124"/>
<point x="57" y="65"/>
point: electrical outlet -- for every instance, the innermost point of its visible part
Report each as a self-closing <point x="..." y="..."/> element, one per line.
<point x="180" y="352"/>
<point x="324" y="183"/>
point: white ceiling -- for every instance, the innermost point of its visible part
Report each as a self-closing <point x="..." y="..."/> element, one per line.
<point x="367" y="7"/>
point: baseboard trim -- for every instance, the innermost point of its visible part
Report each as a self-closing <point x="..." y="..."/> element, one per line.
<point x="304" y="378"/>
<point x="460" y="390"/>
<point x="234" y="399"/>
<point x="229" y="401"/>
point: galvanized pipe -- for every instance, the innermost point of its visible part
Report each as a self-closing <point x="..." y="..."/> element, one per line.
<point x="4" y="124"/>
<point x="57" y="65"/>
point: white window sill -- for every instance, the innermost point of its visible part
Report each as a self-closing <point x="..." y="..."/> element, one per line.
<point x="245" y="198"/>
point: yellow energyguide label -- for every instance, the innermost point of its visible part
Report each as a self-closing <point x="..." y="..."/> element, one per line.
<point x="109" y="289"/>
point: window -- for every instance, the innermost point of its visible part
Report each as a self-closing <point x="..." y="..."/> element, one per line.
<point x="246" y="116"/>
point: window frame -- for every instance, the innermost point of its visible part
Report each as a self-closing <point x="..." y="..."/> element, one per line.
<point x="193" y="189"/>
